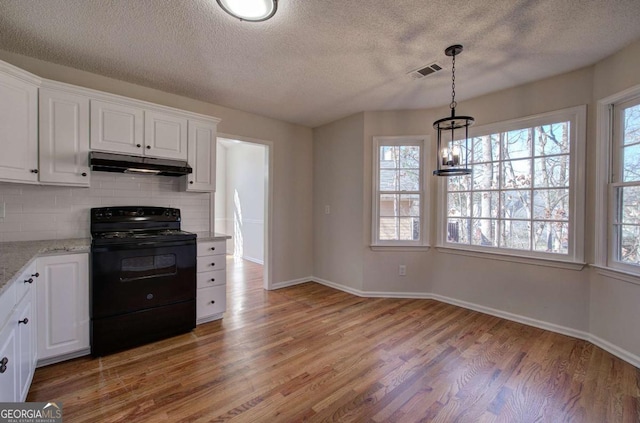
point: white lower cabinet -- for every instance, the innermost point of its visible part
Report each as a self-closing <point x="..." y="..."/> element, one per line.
<point x="8" y="364"/>
<point x="17" y="338"/>
<point x="211" y="295"/>
<point x="63" y="307"/>
<point x="26" y="345"/>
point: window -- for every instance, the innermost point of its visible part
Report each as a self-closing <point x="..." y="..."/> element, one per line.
<point x="624" y="186"/>
<point x="399" y="191"/>
<point x="524" y="196"/>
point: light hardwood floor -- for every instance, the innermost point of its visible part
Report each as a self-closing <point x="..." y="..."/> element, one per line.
<point x="311" y="353"/>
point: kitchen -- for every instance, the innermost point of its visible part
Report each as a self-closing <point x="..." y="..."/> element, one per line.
<point x="319" y="208"/>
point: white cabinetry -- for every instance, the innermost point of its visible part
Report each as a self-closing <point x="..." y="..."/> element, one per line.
<point x="18" y="125"/>
<point x="202" y="155"/>
<point x="131" y="129"/>
<point x="211" y="295"/>
<point x="64" y="138"/>
<point x="117" y="128"/>
<point x="18" y="354"/>
<point x="165" y="135"/>
<point x="63" y="307"/>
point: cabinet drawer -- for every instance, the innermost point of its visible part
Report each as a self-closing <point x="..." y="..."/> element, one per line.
<point x="210" y="248"/>
<point x="26" y="281"/>
<point x="211" y="301"/>
<point x="215" y="277"/>
<point x="207" y="264"/>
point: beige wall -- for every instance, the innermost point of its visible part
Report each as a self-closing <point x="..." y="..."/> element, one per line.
<point x="615" y="303"/>
<point x="292" y="155"/>
<point x="338" y="183"/>
<point x="574" y="301"/>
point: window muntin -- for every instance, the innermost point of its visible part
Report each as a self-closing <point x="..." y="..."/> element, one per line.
<point x="625" y="186"/>
<point x="399" y="191"/>
<point x="521" y="197"/>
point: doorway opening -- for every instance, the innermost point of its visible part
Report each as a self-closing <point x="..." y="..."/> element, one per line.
<point x="243" y="198"/>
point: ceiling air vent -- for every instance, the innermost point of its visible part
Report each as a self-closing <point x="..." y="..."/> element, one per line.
<point x="425" y="71"/>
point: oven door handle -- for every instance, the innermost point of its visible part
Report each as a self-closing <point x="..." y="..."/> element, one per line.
<point x="141" y="245"/>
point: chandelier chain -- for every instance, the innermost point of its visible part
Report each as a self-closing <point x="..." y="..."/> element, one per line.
<point x="453" y="83"/>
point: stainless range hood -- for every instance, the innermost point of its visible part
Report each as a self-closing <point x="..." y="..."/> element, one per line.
<point x="122" y="163"/>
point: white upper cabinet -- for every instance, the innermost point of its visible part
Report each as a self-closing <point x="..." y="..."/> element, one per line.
<point x="165" y="135"/>
<point x="202" y="156"/>
<point x="64" y="138"/>
<point x="132" y="129"/>
<point x="18" y="125"/>
<point x="117" y="128"/>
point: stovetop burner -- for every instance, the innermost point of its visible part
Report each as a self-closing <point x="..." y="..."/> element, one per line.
<point x="114" y="225"/>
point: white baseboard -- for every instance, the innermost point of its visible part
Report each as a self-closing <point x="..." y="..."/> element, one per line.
<point x="621" y="353"/>
<point x="284" y="284"/>
<point x="64" y="357"/>
<point x="253" y="260"/>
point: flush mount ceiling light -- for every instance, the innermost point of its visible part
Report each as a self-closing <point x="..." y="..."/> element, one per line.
<point x="250" y="10"/>
<point x="452" y="159"/>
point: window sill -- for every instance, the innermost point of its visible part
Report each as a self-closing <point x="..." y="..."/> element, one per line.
<point x="618" y="274"/>
<point x="537" y="261"/>
<point x="379" y="247"/>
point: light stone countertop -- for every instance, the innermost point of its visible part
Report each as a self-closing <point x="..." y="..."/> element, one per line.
<point x="208" y="236"/>
<point x="15" y="256"/>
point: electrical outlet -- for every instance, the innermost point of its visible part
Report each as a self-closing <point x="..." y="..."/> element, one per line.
<point x="327" y="209"/>
<point x="402" y="270"/>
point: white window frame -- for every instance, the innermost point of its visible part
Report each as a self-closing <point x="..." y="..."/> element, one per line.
<point x="574" y="259"/>
<point x="605" y="241"/>
<point x="423" y="242"/>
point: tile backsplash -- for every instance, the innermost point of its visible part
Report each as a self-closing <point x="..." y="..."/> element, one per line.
<point x="34" y="212"/>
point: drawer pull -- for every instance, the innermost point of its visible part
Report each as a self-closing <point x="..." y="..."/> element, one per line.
<point x="3" y="364"/>
<point x="213" y="248"/>
<point x="37" y="275"/>
<point x="30" y="280"/>
<point x="213" y="279"/>
<point x="213" y="264"/>
<point x="213" y="301"/>
<point x="25" y="321"/>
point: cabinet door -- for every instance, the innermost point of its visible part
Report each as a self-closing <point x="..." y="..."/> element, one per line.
<point x="63" y="305"/>
<point x="165" y="135"/>
<point x="202" y="156"/>
<point x="64" y="138"/>
<point x="25" y="345"/>
<point x="210" y="302"/>
<point x="116" y="128"/>
<point x="8" y="364"/>
<point x="18" y="130"/>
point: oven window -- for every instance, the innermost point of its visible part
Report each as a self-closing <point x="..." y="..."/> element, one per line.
<point x="148" y="267"/>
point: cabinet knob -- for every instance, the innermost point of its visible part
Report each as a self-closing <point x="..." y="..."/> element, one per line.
<point x="191" y="182"/>
<point x="37" y="275"/>
<point x="138" y="145"/>
<point x="213" y="301"/>
<point x="3" y="364"/>
<point x="34" y="170"/>
<point x="25" y="321"/>
<point x="213" y="248"/>
<point x="30" y="280"/>
<point x="213" y="279"/>
<point x="84" y="173"/>
<point x="148" y="147"/>
<point x="213" y="264"/>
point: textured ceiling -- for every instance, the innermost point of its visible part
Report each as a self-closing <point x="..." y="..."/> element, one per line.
<point x="320" y="60"/>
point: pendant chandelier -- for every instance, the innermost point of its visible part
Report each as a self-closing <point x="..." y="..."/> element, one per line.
<point x="453" y="151"/>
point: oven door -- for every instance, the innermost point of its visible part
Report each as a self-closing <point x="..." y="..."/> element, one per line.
<point x="141" y="275"/>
